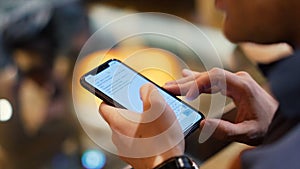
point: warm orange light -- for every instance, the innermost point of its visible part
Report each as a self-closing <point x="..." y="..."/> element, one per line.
<point x="158" y="65"/>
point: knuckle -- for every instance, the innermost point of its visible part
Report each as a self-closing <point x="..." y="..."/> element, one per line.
<point x="242" y="74"/>
<point x="245" y="80"/>
<point x="245" y="86"/>
<point x="216" y="71"/>
<point x="218" y="77"/>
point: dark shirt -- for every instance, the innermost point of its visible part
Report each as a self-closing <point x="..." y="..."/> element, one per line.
<point x="280" y="148"/>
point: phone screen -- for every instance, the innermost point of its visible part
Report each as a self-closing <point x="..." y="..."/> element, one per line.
<point x="122" y="84"/>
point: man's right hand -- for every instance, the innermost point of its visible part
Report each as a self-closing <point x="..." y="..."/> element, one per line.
<point x="255" y="107"/>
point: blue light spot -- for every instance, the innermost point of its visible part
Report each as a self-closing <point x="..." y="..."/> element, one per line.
<point x="93" y="159"/>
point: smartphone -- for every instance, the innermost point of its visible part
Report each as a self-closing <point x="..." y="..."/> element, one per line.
<point x="118" y="85"/>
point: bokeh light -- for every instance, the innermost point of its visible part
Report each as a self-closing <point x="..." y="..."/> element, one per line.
<point x="6" y="110"/>
<point x="93" y="159"/>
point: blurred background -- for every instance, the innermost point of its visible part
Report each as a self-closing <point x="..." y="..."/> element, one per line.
<point x="39" y="44"/>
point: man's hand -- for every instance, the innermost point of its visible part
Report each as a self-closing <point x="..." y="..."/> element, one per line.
<point x="254" y="105"/>
<point x="146" y="139"/>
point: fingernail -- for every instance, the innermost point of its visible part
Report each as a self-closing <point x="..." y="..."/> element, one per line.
<point x="187" y="71"/>
<point x="202" y="123"/>
<point x="190" y="96"/>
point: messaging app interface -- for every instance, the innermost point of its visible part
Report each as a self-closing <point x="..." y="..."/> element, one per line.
<point x="123" y="85"/>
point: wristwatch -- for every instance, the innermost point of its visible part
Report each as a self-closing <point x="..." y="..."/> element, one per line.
<point x="179" y="162"/>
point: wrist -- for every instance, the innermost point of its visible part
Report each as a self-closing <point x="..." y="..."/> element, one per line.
<point x="175" y="152"/>
<point x="177" y="162"/>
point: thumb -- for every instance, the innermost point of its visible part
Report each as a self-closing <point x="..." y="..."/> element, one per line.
<point x="150" y="97"/>
<point x="116" y="116"/>
<point x="153" y="103"/>
<point x="109" y="113"/>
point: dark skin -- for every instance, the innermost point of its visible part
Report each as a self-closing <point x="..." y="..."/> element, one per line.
<point x="257" y="21"/>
